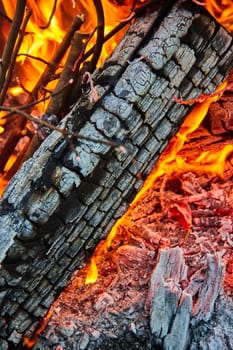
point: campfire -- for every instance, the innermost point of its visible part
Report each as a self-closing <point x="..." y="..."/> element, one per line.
<point x="162" y="278"/>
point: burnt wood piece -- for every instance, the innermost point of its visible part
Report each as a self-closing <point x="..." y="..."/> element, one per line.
<point x="62" y="203"/>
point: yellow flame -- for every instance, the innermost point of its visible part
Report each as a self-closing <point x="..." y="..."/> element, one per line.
<point x="92" y="273"/>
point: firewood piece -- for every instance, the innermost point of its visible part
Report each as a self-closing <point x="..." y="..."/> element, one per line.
<point x="179" y="333"/>
<point x="164" y="304"/>
<point x="165" y="292"/>
<point x="13" y="34"/>
<point x="209" y="288"/>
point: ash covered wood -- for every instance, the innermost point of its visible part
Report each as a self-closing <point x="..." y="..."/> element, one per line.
<point x="59" y="206"/>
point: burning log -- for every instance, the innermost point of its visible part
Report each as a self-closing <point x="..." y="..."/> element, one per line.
<point x="64" y="201"/>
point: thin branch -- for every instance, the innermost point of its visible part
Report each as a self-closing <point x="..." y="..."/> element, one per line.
<point x="199" y="2"/>
<point x="34" y="58"/>
<point x="3" y="15"/>
<point x="14" y="56"/>
<point x="34" y="103"/>
<point x="12" y="37"/>
<point x="100" y="36"/>
<point x="51" y="15"/>
<point x="64" y="132"/>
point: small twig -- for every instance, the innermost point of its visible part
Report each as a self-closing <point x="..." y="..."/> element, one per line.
<point x="34" y="103"/>
<point x="51" y="15"/>
<point x="14" y="56"/>
<point x="100" y="36"/>
<point x="12" y="37"/>
<point x="34" y="58"/>
<point x="199" y="2"/>
<point x="64" y="132"/>
<point x="3" y="15"/>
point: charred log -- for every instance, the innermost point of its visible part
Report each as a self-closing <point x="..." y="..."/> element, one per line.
<point x="63" y="201"/>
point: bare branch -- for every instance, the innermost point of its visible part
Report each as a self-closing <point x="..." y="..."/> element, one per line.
<point x="34" y="58"/>
<point x="64" y="132"/>
<point x="13" y="34"/>
<point x="14" y="56"/>
<point x="100" y="36"/>
<point x="51" y="15"/>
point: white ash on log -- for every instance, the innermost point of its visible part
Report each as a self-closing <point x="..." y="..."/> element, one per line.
<point x="59" y="206"/>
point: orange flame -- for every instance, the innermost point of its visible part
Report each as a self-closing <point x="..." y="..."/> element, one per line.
<point x="222" y="10"/>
